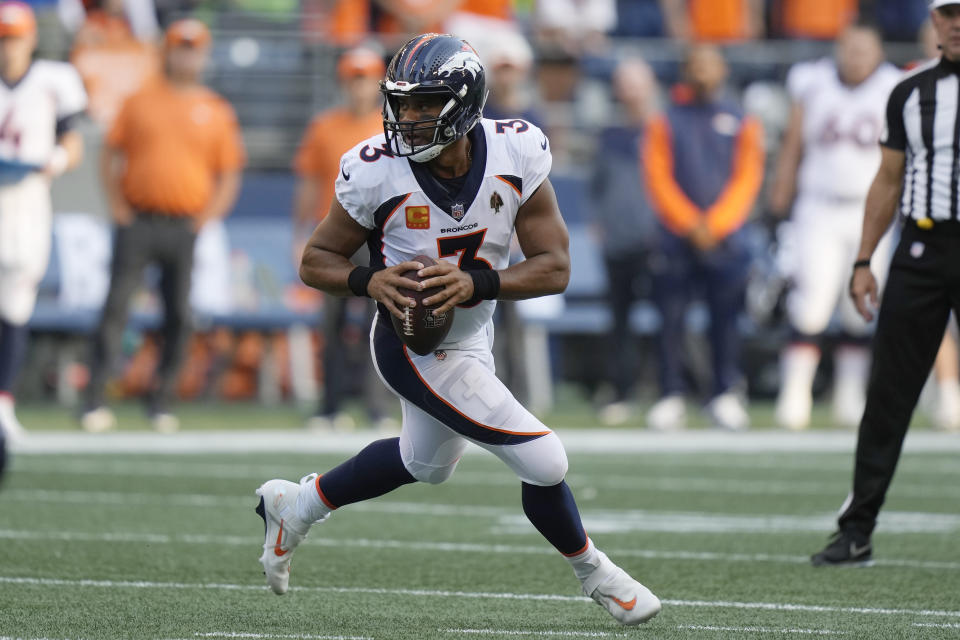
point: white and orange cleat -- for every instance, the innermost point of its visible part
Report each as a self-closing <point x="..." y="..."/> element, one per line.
<point x="283" y="529"/>
<point x="628" y="601"/>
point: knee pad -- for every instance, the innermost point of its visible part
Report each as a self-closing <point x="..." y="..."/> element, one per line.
<point x="430" y="474"/>
<point x="541" y="462"/>
<point x="434" y="466"/>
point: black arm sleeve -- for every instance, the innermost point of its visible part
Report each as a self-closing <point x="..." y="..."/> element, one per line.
<point x="67" y="123"/>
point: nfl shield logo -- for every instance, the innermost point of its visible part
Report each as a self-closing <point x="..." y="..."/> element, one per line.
<point x="457" y="211"/>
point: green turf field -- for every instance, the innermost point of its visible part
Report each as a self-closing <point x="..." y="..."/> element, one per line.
<point x="141" y="546"/>
<point x="573" y="410"/>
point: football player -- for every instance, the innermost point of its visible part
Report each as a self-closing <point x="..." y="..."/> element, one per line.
<point x="39" y="102"/>
<point x="444" y="182"/>
<point x="829" y="157"/>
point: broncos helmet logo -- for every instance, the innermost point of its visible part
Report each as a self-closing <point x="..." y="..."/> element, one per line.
<point x="461" y="61"/>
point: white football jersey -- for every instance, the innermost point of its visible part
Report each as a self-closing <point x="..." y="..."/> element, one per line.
<point x="31" y="109"/>
<point x="841" y="128"/>
<point x="409" y="212"/>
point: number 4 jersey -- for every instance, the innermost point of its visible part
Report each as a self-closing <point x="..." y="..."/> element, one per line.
<point x="468" y="220"/>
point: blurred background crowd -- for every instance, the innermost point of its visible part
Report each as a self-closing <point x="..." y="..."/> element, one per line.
<point x="605" y="79"/>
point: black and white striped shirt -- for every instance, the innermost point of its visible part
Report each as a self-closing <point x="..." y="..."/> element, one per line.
<point x="923" y="120"/>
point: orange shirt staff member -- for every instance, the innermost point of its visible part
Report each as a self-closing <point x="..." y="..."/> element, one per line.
<point x="330" y="135"/>
<point x="171" y="162"/>
<point x="333" y="132"/>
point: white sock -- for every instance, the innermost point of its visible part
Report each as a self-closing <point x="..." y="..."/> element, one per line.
<point x="310" y="508"/>
<point x="798" y="366"/>
<point x="851" y="369"/>
<point x="587" y="562"/>
<point x="852" y="366"/>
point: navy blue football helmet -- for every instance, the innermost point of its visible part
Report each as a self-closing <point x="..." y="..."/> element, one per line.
<point x="439" y="65"/>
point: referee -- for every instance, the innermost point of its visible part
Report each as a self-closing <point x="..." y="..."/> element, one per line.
<point x="919" y="174"/>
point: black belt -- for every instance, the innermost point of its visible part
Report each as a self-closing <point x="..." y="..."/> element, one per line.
<point x="933" y="227"/>
<point x="163" y="215"/>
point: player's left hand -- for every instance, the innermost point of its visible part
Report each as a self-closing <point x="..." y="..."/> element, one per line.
<point x="457" y="285"/>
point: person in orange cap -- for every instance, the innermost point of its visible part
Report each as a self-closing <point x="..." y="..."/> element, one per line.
<point x="329" y="136"/>
<point x="171" y="162"/>
<point x="39" y="102"/>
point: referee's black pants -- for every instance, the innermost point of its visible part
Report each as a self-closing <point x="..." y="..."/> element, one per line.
<point x="922" y="288"/>
<point x="168" y="242"/>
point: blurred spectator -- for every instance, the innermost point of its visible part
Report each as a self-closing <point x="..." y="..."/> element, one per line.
<point x="330" y="135"/>
<point x="139" y="15"/>
<point x="41" y="102"/>
<point x="347" y="22"/>
<point x="471" y="17"/>
<point x="558" y="80"/>
<point x="112" y="62"/>
<point x="703" y="161"/>
<point x="899" y="20"/>
<point x="171" y="162"/>
<point x="507" y="58"/>
<point x="714" y="20"/>
<point x="829" y="156"/>
<point x="640" y="19"/>
<point x="575" y="26"/>
<point x="624" y="222"/>
<point x="812" y="19"/>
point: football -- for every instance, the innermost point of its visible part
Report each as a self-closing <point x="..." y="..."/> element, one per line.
<point x="421" y="329"/>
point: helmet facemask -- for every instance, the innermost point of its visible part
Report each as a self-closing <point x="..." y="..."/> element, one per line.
<point x="420" y="140"/>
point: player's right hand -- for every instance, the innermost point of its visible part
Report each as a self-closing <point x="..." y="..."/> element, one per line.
<point x="863" y="292"/>
<point x="384" y="285"/>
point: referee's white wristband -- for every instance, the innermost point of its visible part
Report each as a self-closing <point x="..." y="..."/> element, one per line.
<point x="59" y="160"/>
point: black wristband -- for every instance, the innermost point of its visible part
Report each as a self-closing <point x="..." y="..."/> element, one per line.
<point x="486" y="284"/>
<point x="359" y="278"/>
<point x="861" y="263"/>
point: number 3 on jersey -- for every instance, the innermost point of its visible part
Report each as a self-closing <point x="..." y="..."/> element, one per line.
<point x="466" y="247"/>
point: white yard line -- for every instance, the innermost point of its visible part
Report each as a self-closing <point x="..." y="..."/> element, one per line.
<point x="482" y="595"/>
<point x="235" y="634"/>
<point x="520" y="632"/>
<point x="511" y="522"/>
<point x="937" y="625"/>
<point x="293" y="636"/>
<point x="26" y="638"/>
<point x="437" y="546"/>
<point x="649" y="480"/>
<point x="586" y="441"/>
<point x="811" y="632"/>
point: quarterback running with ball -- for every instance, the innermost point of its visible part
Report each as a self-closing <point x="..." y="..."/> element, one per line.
<point x="446" y="183"/>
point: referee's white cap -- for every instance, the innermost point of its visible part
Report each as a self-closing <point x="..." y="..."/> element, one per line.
<point x="936" y="4"/>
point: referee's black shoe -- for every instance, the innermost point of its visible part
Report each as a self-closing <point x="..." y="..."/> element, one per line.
<point x="845" y="549"/>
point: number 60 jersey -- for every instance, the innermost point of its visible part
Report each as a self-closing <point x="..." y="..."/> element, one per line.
<point x="468" y="220"/>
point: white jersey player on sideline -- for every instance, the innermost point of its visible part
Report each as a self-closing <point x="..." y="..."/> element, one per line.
<point x="38" y="102"/>
<point x="830" y="155"/>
